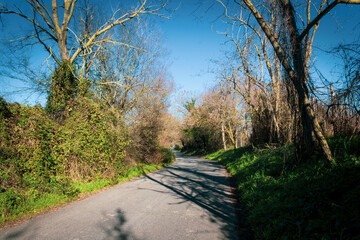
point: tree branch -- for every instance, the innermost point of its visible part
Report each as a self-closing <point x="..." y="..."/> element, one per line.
<point x="5" y="10"/>
<point x="323" y="13"/>
<point x="271" y="36"/>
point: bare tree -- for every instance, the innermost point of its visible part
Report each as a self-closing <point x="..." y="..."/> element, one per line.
<point x="127" y="73"/>
<point x="293" y="49"/>
<point x="48" y="29"/>
<point x="343" y="110"/>
<point x="231" y="107"/>
<point x="147" y="122"/>
<point x="349" y="91"/>
<point x="51" y="28"/>
<point x="255" y="74"/>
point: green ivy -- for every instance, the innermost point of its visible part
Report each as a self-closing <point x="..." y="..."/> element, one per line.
<point x="41" y="157"/>
<point x="91" y="141"/>
<point x="4" y="110"/>
<point x="63" y="87"/>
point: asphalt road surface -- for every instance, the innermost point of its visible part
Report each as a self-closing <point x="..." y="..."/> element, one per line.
<point x="190" y="199"/>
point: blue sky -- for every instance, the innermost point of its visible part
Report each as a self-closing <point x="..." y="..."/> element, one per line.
<point x="190" y="36"/>
<point x="192" y="42"/>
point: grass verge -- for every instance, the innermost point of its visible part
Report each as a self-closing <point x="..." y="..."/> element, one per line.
<point x="313" y="200"/>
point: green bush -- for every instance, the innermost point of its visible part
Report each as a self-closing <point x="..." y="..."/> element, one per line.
<point x="45" y="161"/>
<point x="27" y="139"/>
<point x="91" y="141"/>
<point x="167" y="155"/>
<point x="40" y="157"/>
<point x="28" y="168"/>
<point x="63" y="88"/>
<point x="4" y="109"/>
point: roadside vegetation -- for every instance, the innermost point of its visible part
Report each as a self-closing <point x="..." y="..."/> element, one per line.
<point x="289" y="136"/>
<point x="45" y="162"/>
<point x="313" y="200"/>
<point x="106" y="116"/>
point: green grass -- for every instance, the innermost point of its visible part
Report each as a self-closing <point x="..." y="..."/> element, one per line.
<point x="88" y="187"/>
<point x="132" y="172"/>
<point x="313" y="200"/>
<point x="17" y="204"/>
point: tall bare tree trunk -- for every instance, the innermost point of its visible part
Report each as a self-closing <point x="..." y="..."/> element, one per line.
<point x="333" y="111"/>
<point x="310" y="125"/>
<point x="236" y="137"/>
<point x="223" y="135"/>
<point x="62" y="31"/>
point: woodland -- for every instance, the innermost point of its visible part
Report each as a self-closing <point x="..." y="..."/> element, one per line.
<point x="291" y="140"/>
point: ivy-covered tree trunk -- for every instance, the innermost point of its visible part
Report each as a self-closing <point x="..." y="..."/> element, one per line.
<point x="62" y="89"/>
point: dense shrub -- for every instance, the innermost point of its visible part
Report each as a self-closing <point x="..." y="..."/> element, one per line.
<point x="91" y="141"/>
<point x="167" y="155"/>
<point x="62" y="89"/>
<point x="27" y="139"/>
<point x="28" y="168"/>
<point x="4" y="110"/>
<point x="201" y="139"/>
<point x="40" y="158"/>
<point x="146" y="129"/>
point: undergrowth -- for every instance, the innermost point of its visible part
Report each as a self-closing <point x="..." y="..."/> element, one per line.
<point x="313" y="200"/>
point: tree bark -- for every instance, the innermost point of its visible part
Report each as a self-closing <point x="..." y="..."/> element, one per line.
<point x="236" y="137"/>
<point x="64" y="53"/>
<point x="310" y="124"/>
<point x="223" y="135"/>
<point x="62" y="31"/>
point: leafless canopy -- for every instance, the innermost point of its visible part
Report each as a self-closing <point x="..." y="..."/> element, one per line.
<point x="51" y="30"/>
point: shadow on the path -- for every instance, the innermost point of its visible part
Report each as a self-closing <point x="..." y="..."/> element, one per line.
<point x="116" y="230"/>
<point x="17" y="234"/>
<point x="203" y="183"/>
<point x="27" y="232"/>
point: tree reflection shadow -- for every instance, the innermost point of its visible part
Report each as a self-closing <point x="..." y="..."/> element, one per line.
<point x="117" y="230"/>
<point x="203" y="183"/>
<point x="26" y="231"/>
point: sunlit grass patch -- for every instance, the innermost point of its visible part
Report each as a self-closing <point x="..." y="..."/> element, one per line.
<point x="88" y="187"/>
<point x="16" y="204"/>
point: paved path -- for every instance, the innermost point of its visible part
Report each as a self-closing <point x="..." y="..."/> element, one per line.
<point x="188" y="200"/>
